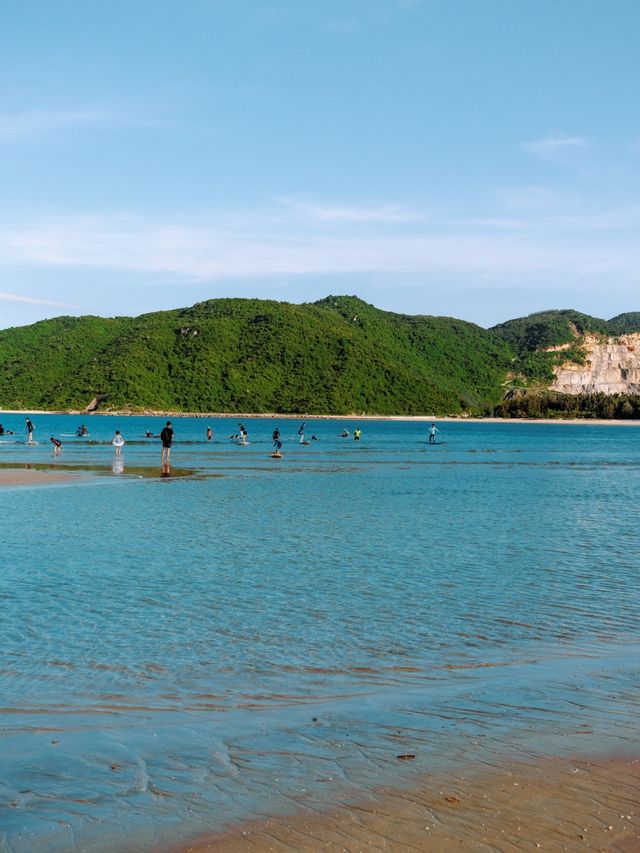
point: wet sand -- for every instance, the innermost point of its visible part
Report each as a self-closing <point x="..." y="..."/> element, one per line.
<point x="34" y="477"/>
<point x="554" y="804"/>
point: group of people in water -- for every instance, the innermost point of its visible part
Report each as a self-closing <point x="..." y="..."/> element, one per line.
<point x="166" y="437"/>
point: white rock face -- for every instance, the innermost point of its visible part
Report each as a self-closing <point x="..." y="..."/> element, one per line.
<point x="612" y="367"/>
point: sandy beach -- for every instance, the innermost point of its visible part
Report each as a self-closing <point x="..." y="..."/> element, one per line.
<point x="353" y="416"/>
<point x="554" y="804"/>
<point x="35" y="477"/>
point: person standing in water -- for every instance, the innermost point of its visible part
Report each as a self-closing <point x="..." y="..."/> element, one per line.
<point x="166" y="437"/>
<point x="433" y="430"/>
<point x="357" y="433"/>
<point x="30" y="429"/>
<point x="118" y="442"/>
<point x="57" y="446"/>
<point x="209" y="433"/>
<point x="243" y="433"/>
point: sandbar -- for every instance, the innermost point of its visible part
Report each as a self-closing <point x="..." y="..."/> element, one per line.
<point x="552" y="804"/>
<point x="34" y="477"/>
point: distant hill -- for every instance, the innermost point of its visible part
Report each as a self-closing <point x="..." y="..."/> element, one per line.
<point x="338" y="355"/>
<point x="625" y="324"/>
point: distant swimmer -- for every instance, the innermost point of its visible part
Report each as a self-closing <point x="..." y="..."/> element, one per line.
<point x="118" y="442"/>
<point x="356" y="434"/>
<point x="433" y="430"/>
<point x="30" y="429"/>
<point x="82" y="431"/>
<point x="166" y="437"/>
<point x="57" y="446"/>
<point x="345" y="433"/>
<point x="314" y="438"/>
<point x="149" y="434"/>
<point x="209" y="433"/>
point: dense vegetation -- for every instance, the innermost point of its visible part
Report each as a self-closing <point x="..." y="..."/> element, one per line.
<point x="529" y="337"/>
<point x="337" y="355"/>
<point x="547" y="404"/>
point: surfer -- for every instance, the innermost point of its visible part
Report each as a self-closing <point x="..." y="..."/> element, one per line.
<point x="82" y="431"/>
<point x="57" y="446"/>
<point x="1" y="430"/>
<point x="301" y="433"/>
<point x="344" y="433"/>
<point x="118" y="442"/>
<point x="148" y="434"/>
<point x="209" y="433"/>
<point x="275" y="435"/>
<point x="166" y="436"/>
<point x="30" y="429"/>
<point x="277" y="447"/>
<point x="243" y="433"/>
<point x="356" y="434"/>
<point x="433" y="430"/>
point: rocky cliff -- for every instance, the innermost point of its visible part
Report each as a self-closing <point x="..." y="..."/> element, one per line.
<point x="611" y="366"/>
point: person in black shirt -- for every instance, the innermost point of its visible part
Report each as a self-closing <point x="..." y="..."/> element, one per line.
<point x="30" y="429"/>
<point x="166" y="436"/>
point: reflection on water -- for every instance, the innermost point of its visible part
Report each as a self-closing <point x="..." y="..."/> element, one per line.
<point x="117" y="464"/>
<point x="175" y="657"/>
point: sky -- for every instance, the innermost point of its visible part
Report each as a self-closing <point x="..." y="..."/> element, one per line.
<point x="471" y="158"/>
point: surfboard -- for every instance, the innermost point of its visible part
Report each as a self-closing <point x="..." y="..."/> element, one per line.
<point x="276" y="455"/>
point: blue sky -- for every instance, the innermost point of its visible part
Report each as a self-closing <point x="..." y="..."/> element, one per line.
<point x="476" y="158"/>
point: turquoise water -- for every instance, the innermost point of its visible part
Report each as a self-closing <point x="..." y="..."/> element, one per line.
<point x="249" y="636"/>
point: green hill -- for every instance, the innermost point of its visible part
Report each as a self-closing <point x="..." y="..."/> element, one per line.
<point x="336" y="355"/>
<point x="625" y="324"/>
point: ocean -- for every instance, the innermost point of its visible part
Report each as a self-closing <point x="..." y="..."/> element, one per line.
<point x="253" y="636"/>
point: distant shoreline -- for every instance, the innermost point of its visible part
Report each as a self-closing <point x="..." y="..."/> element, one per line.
<point x="148" y="413"/>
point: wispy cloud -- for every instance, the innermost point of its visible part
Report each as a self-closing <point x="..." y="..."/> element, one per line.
<point x="555" y="143"/>
<point x="387" y="213"/>
<point x="42" y="122"/>
<point x="569" y="152"/>
<point x="32" y="300"/>
<point x="224" y="248"/>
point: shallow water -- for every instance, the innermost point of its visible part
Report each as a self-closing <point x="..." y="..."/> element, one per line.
<point x="181" y="652"/>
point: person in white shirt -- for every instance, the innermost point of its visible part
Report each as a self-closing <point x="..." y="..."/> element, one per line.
<point x="118" y="442"/>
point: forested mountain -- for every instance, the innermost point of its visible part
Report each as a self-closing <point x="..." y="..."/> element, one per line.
<point x="337" y="355"/>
